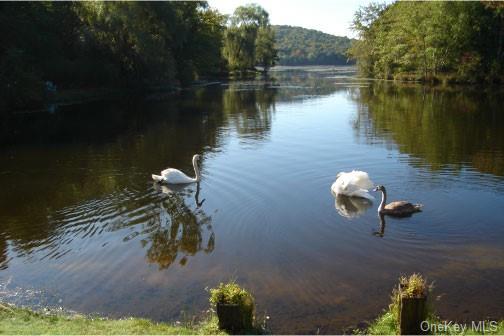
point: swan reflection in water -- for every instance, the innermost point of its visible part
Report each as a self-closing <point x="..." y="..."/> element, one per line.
<point x="180" y="189"/>
<point x="178" y="229"/>
<point x="381" y="232"/>
<point x="351" y="207"/>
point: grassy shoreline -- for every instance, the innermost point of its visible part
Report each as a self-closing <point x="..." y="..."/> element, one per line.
<point x="24" y="321"/>
<point x="415" y="287"/>
<point x="386" y="324"/>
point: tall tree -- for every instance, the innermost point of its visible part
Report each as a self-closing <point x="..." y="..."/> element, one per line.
<point x="266" y="53"/>
<point x="249" y="32"/>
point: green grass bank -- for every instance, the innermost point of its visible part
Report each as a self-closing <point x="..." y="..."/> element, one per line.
<point x="415" y="287"/>
<point x="22" y="321"/>
<point x="386" y="324"/>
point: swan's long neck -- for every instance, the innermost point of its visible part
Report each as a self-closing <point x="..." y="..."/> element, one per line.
<point x="196" y="170"/>
<point x="383" y="200"/>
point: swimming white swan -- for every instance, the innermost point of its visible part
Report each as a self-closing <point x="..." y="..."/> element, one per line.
<point x="353" y="184"/>
<point x="175" y="176"/>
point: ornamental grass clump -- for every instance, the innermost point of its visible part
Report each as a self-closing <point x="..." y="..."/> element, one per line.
<point x="409" y="304"/>
<point x="413" y="287"/>
<point x="234" y="305"/>
<point x="230" y="293"/>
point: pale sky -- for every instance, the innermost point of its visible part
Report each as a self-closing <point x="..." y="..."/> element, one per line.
<point x="333" y="17"/>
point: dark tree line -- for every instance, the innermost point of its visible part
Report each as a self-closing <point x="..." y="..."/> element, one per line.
<point x="48" y="45"/>
<point x="431" y="41"/>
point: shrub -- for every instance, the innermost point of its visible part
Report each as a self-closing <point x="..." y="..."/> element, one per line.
<point x="235" y="307"/>
<point x="231" y="293"/>
<point x="413" y="287"/>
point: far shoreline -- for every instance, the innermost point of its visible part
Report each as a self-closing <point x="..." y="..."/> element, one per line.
<point x="75" y="96"/>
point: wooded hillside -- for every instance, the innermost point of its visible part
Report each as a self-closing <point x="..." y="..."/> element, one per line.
<point x="301" y="46"/>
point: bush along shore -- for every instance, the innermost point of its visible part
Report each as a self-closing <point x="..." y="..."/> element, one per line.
<point x="233" y="312"/>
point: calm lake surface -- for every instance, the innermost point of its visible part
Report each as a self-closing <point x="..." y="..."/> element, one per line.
<point x="82" y="226"/>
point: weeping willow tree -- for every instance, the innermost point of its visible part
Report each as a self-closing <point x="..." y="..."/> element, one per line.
<point x="249" y="39"/>
<point x="266" y="53"/>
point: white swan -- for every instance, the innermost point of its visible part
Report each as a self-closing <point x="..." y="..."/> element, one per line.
<point x="353" y="184"/>
<point x="175" y="176"/>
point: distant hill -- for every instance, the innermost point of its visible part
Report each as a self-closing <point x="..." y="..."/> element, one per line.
<point x="301" y="46"/>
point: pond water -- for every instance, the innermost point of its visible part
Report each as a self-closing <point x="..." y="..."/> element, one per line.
<point x="83" y="226"/>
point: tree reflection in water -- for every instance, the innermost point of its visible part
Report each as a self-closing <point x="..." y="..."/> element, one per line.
<point x="442" y="127"/>
<point x="3" y="253"/>
<point x="249" y="107"/>
<point x="178" y="229"/>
